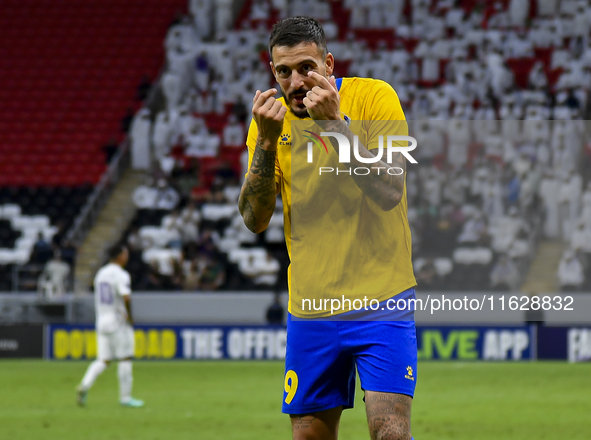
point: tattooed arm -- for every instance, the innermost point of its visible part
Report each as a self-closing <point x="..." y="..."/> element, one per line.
<point x="323" y="104"/>
<point x="383" y="188"/>
<point x="258" y="195"/>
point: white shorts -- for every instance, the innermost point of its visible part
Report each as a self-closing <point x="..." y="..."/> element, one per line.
<point x="116" y="345"/>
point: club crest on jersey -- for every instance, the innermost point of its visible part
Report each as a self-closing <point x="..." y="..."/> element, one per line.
<point x="284" y="139"/>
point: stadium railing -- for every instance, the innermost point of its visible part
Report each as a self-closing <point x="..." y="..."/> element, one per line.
<point x="100" y="195"/>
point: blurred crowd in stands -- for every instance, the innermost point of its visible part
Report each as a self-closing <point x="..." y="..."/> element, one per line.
<point x="489" y="197"/>
<point x="33" y="236"/>
<point x="496" y="92"/>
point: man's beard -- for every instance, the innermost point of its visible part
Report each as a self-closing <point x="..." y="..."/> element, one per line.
<point x="299" y="112"/>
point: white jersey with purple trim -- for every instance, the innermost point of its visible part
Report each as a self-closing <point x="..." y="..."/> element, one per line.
<point x="111" y="284"/>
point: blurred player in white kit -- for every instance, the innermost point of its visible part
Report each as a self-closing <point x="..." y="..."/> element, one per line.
<point x="114" y="327"/>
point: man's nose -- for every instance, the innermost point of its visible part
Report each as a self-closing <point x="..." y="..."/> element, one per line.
<point x="297" y="80"/>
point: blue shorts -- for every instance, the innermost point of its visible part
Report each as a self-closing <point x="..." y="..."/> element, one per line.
<point x="322" y="355"/>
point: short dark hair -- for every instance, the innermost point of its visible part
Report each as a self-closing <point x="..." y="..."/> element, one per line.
<point x="116" y="250"/>
<point x="296" y="30"/>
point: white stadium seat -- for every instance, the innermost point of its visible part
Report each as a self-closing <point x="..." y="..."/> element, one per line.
<point x="10" y="211"/>
<point x="21" y="256"/>
<point x="443" y="266"/>
<point x="21" y="222"/>
<point x="163" y="257"/>
<point x="24" y="243"/>
<point x="472" y="255"/>
<point x="159" y="236"/>
<point x="40" y="221"/>
<point x="236" y="255"/>
<point x="218" y="212"/>
<point x="6" y="256"/>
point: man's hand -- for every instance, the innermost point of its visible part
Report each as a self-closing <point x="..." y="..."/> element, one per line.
<point x="268" y="114"/>
<point x="259" y="191"/>
<point x="323" y="101"/>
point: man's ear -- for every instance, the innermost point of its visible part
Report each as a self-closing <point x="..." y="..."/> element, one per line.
<point x="329" y="64"/>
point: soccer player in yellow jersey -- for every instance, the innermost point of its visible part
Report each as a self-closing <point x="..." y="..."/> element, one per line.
<point x="347" y="237"/>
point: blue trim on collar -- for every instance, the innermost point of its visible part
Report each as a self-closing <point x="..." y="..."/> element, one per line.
<point x="339" y="82"/>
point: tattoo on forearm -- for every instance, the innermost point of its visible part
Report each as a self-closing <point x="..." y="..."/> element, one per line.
<point x="263" y="162"/>
<point x="257" y="201"/>
<point x="383" y="188"/>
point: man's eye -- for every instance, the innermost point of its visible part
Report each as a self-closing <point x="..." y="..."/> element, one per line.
<point x="283" y="72"/>
<point x="306" y="68"/>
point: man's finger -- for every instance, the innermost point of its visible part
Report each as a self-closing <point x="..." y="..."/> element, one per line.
<point x="317" y="90"/>
<point x="263" y="97"/>
<point x="268" y="104"/>
<point x="311" y="97"/>
<point x="320" y="80"/>
<point x="264" y="103"/>
<point x="276" y="107"/>
<point x="256" y="95"/>
<point x="316" y="93"/>
<point x="333" y="82"/>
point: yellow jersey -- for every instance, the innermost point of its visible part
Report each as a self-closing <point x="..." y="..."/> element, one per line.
<point x="340" y="243"/>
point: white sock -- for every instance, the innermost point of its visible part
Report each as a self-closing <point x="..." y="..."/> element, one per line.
<point x="125" y="380"/>
<point x="93" y="371"/>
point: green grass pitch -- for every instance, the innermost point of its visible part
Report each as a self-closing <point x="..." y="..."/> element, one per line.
<point x="241" y="400"/>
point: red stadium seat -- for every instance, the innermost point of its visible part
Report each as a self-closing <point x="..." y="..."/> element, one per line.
<point x="521" y="68"/>
<point x="69" y="73"/>
<point x="375" y="36"/>
<point x="553" y="75"/>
